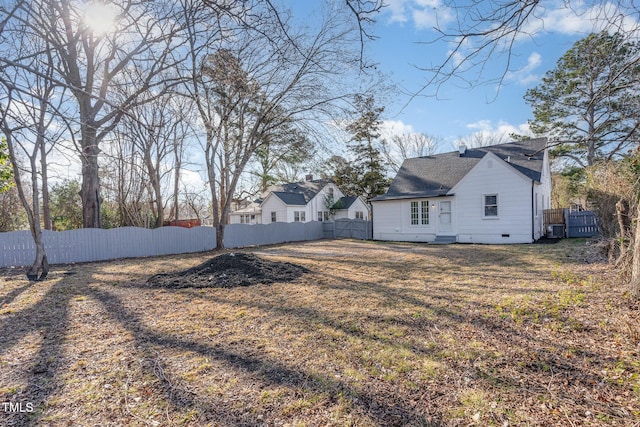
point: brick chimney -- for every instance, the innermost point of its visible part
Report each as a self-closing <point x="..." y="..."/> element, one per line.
<point x="309" y="177"/>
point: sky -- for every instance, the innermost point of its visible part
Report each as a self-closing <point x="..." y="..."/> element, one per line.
<point x="406" y="41"/>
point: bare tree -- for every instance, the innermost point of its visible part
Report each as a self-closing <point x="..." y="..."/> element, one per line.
<point x="125" y="181"/>
<point x="92" y="59"/>
<point x="481" y="32"/>
<point x="28" y="106"/>
<point x="246" y="84"/>
<point x="481" y="139"/>
<point x="400" y="147"/>
<point x="180" y="137"/>
<point x="157" y="130"/>
<point x="280" y="155"/>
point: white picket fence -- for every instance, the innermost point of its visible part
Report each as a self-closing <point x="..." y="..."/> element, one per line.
<point x="17" y="248"/>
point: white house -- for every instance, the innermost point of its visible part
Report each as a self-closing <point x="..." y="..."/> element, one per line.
<point x="493" y="194"/>
<point x="301" y="202"/>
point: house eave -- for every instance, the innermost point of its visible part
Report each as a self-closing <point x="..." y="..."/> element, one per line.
<point x="411" y="196"/>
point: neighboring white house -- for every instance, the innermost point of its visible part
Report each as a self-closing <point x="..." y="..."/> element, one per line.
<point x="301" y="202"/>
<point x="493" y="194"/>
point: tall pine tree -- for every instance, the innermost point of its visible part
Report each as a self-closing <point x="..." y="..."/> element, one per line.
<point x="368" y="167"/>
<point x="588" y="105"/>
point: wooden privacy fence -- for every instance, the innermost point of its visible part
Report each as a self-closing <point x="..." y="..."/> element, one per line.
<point x="581" y="224"/>
<point x="344" y="228"/>
<point x="573" y="223"/>
<point x="17" y="248"/>
<point x="86" y="245"/>
<point x="242" y="235"/>
<point x="553" y="216"/>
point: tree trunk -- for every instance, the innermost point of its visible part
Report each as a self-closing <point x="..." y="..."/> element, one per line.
<point x="634" y="287"/>
<point x="622" y="212"/>
<point x="40" y="264"/>
<point x="220" y="235"/>
<point x="154" y="177"/>
<point x="46" y="210"/>
<point x="176" y="184"/>
<point x="90" y="191"/>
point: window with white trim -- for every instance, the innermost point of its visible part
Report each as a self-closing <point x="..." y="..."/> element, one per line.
<point x="273" y="217"/>
<point x="420" y="212"/>
<point x="359" y="215"/>
<point x="424" y="212"/>
<point x="490" y="205"/>
<point x="298" y="216"/>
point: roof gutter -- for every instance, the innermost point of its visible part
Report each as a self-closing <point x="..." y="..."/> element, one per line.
<point x="412" y="196"/>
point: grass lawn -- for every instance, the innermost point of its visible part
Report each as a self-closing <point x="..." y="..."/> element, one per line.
<point x="372" y="334"/>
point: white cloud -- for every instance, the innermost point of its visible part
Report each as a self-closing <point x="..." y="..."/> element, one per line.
<point x="397" y="10"/>
<point x="487" y="131"/>
<point x="431" y="14"/>
<point x="525" y="76"/>
<point x="575" y="18"/>
<point x="424" y="14"/>
<point x="192" y="181"/>
<point x="389" y="128"/>
<point x="579" y="19"/>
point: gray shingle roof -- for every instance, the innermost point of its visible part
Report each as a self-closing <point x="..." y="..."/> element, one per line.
<point x="347" y="201"/>
<point x="291" y="198"/>
<point x="298" y="193"/>
<point x="436" y="175"/>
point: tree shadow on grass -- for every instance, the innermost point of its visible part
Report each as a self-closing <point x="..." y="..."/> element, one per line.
<point x="12" y="295"/>
<point x="49" y="318"/>
<point x="535" y="360"/>
<point x="271" y="372"/>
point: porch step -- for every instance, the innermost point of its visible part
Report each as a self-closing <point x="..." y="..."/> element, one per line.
<point x="444" y="240"/>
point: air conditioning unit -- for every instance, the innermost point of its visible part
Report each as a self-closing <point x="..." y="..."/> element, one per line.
<point x="555" y="231"/>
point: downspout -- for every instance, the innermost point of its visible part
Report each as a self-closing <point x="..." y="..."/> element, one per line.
<point x="371" y="218"/>
<point x="533" y="218"/>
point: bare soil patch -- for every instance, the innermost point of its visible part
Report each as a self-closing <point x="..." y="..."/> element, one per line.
<point x="358" y="333"/>
<point x="230" y="270"/>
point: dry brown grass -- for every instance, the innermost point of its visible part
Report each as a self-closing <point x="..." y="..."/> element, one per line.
<point x="375" y="334"/>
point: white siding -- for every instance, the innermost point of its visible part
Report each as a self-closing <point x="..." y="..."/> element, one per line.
<point x="286" y="213"/>
<point x="234" y="217"/>
<point x="494" y="176"/>
<point x="318" y="202"/>
<point x="392" y="221"/>
<point x="273" y="204"/>
<point x="358" y="205"/>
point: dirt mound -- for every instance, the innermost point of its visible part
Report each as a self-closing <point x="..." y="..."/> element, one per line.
<point x="229" y="271"/>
